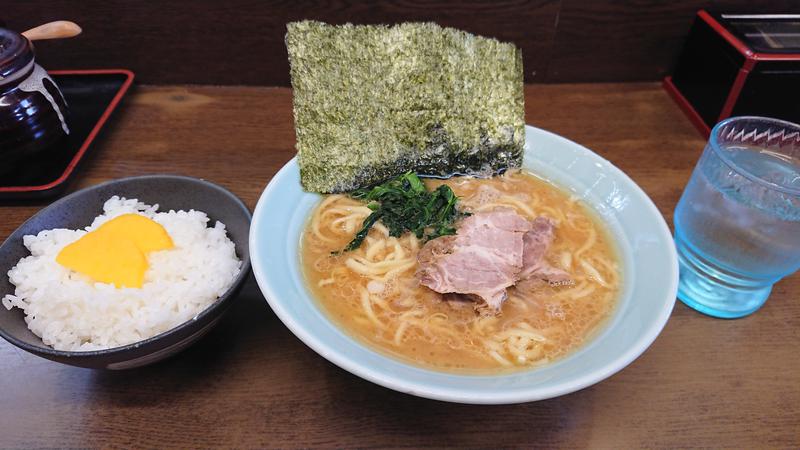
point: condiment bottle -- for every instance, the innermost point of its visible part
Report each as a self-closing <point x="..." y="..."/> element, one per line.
<point x="33" y="112"/>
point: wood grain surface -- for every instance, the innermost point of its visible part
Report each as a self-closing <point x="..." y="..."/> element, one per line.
<point x="251" y="383"/>
<point x="241" y="42"/>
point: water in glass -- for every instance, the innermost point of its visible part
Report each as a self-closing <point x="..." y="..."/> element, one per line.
<point x="737" y="225"/>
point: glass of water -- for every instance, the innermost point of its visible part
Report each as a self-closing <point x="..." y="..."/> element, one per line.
<point x="737" y="225"/>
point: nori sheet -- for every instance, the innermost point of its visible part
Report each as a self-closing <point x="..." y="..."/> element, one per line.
<point x="374" y="101"/>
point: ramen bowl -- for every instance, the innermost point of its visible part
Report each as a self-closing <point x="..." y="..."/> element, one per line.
<point x="76" y="211"/>
<point x="647" y="295"/>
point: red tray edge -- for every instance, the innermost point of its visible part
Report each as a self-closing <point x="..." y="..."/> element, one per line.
<point x="686" y="107"/>
<point x="92" y="134"/>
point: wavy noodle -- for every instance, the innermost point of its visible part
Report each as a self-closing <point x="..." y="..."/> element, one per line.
<point x="373" y="291"/>
<point x="351" y="212"/>
<point x="413" y="243"/>
<point x="590" y="241"/>
<point x="326" y="281"/>
<point x="482" y="322"/>
<point x="496" y="356"/>
<point x="374" y="247"/>
<point x="582" y="290"/>
<point x="370" y="313"/>
<point x="593" y="273"/>
<point x="381" y="229"/>
<point x="611" y="270"/>
<point x="566" y="260"/>
<point x="518" y="205"/>
<point x="398" y="335"/>
<point x="553" y="213"/>
<point x="573" y="219"/>
<point x="508" y="201"/>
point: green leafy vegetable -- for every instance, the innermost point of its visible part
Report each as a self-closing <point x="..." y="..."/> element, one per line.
<point x="404" y="204"/>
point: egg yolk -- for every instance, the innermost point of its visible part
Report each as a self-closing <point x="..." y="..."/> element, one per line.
<point x="116" y="252"/>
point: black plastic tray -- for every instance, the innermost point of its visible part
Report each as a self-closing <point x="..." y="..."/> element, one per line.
<point x="92" y="95"/>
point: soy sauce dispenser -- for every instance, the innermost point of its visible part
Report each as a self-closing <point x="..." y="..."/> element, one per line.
<point x="33" y="113"/>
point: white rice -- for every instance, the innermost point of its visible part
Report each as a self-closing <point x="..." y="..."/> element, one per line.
<point x="71" y="312"/>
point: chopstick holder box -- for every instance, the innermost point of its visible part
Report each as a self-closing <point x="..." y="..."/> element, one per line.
<point x="736" y="65"/>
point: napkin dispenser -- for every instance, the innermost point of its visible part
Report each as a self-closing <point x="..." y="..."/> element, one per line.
<point x="736" y="65"/>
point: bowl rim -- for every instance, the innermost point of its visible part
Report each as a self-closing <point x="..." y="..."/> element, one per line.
<point x="240" y="278"/>
<point x="343" y="360"/>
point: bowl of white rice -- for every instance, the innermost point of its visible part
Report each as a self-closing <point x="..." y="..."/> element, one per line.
<point x="62" y="315"/>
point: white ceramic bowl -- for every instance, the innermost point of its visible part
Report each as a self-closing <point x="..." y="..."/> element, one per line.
<point x="650" y="278"/>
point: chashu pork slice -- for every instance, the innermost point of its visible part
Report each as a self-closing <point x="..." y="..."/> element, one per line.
<point x="483" y="259"/>
<point x="536" y="243"/>
<point x="491" y="252"/>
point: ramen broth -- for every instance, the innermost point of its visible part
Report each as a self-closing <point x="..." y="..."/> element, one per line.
<point x="373" y="294"/>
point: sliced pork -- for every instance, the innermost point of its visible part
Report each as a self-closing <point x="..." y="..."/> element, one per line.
<point x="536" y="243"/>
<point x="483" y="259"/>
<point x="491" y="252"/>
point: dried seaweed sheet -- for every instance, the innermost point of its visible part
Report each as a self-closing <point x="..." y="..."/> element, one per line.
<point x="373" y="101"/>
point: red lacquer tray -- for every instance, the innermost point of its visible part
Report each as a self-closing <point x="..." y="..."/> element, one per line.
<point x="92" y="95"/>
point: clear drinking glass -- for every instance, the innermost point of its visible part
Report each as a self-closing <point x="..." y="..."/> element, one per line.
<point x="737" y="225"/>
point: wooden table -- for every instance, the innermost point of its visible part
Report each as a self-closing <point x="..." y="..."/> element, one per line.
<point x="250" y="382"/>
